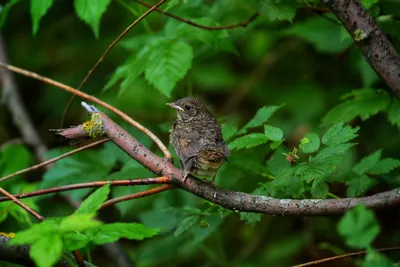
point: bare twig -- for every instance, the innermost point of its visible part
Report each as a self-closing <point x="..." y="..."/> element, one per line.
<point x="374" y="45"/>
<point x="136" y="195"/>
<point x="353" y="254"/>
<point x="92" y="99"/>
<point x="22" y="205"/>
<point x="58" y="189"/>
<point x="145" y="14"/>
<point x="45" y="163"/>
<point x="212" y="28"/>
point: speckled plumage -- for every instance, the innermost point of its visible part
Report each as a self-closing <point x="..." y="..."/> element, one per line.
<point x="197" y="139"/>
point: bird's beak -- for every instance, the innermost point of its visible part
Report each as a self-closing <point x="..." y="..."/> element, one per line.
<point x="175" y="106"/>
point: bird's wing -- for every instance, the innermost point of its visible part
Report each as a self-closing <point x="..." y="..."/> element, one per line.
<point x="186" y="149"/>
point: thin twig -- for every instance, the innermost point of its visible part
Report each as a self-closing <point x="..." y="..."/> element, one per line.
<point x="353" y="254"/>
<point x="137" y="195"/>
<point x="92" y="99"/>
<point x="45" y="163"/>
<point x="145" y="14"/>
<point x="22" y="205"/>
<point x="58" y="189"/>
<point x="212" y="28"/>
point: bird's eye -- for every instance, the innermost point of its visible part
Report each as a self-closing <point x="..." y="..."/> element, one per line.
<point x="187" y="107"/>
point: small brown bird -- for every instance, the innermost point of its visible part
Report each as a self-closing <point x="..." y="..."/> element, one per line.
<point x="197" y="139"/>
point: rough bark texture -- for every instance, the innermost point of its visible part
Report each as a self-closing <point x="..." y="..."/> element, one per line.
<point x="373" y="43"/>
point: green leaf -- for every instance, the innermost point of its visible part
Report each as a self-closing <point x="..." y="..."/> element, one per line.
<point x="5" y="9"/>
<point x="376" y="259"/>
<point x="331" y="155"/>
<point x="168" y="62"/>
<point x="14" y="158"/>
<point x="261" y="117"/>
<point x="78" y="222"/>
<point x="359" y="185"/>
<point x="93" y="202"/>
<point x="338" y="134"/>
<point x="368" y="3"/>
<point x="47" y="250"/>
<point x="186" y="224"/>
<point x="109" y="233"/>
<point x="247" y="141"/>
<point x="363" y="103"/>
<point x="310" y="143"/>
<point x="39" y="8"/>
<point x="367" y="162"/>
<point x="384" y="166"/>
<point x="359" y="227"/>
<point x="310" y="172"/>
<point x="35" y="232"/>
<point x="90" y="11"/>
<point x="228" y="130"/>
<point x="372" y="164"/>
<point x="276" y="10"/>
<point x="394" y="112"/>
<point x="319" y="189"/>
<point x="273" y="133"/>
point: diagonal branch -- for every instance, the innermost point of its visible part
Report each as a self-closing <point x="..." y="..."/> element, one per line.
<point x="22" y="205"/>
<point x="374" y="45"/>
<point x="93" y="99"/>
<point x="237" y="201"/>
<point x="58" y="189"/>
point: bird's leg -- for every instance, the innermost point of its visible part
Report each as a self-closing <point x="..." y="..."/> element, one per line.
<point x="186" y="174"/>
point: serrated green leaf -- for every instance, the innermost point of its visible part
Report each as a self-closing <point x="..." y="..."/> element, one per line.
<point x="93" y="202"/>
<point x="276" y="10"/>
<point x="247" y="141"/>
<point x="47" y="250"/>
<point x="310" y="143"/>
<point x="359" y="185"/>
<point x="91" y="11"/>
<point x="274" y="145"/>
<point x="394" y="112"/>
<point x="384" y="166"/>
<point x="363" y="103"/>
<point x="367" y="162"/>
<point x="261" y="117"/>
<point x="228" y="130"/>
<point x="35" y="232"/>
<point x="168" y="62"/>
<point x="78" y="222"/>
<point x="331" y="155"/>
<point x="359" y="227"/>
<point x="376" y="259"/>
<point x="309" y="172"/>
<point x="338" y="134"/>
<point x="319" y="189"/>
<point x="109" y="233"/>
<point x="39" y="8"/>
<point x="273" y="133"/>
<point x="186" y="224"/>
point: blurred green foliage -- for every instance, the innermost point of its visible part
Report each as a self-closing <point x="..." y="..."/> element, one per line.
<point x="303" y="112"/>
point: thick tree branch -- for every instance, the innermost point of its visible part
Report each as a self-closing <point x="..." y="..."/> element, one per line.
<point x="236" y="201"/>
<point x="20" y="255"/>
<point x="373" y="43"/>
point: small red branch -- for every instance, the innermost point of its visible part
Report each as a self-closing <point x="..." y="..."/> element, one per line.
<point x="145" y="181"/>
<point x="136" y="195"/>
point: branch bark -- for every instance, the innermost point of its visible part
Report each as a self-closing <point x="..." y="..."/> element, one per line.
<point x="374" y="45"/>
<point x="236" y="201"/>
